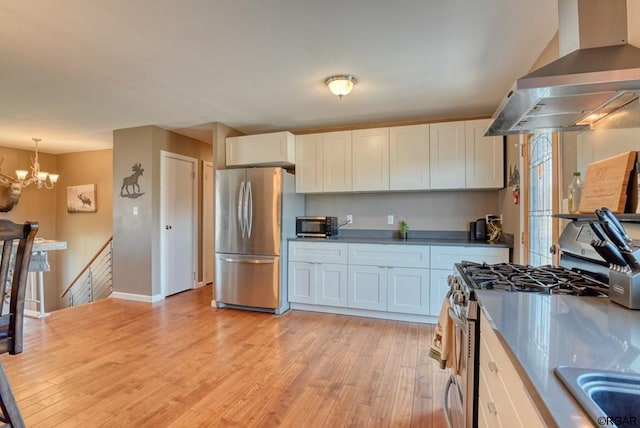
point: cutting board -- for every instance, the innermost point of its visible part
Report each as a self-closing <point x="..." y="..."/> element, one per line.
<point x="606" y="183"/>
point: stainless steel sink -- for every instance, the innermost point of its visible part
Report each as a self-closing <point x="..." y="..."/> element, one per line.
<point x="610" y="398"/>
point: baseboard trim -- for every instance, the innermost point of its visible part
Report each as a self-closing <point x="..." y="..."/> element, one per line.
<point x="137" y="297"/>
<point x="423" y="319"/>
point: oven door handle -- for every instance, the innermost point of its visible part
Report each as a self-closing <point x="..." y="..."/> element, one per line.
<point x="450" y="381"/>
<point x="456" y="319"/>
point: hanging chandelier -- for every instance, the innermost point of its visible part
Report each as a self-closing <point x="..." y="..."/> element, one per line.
<point x="11" y="188"/>
<point x="37" y="177"/>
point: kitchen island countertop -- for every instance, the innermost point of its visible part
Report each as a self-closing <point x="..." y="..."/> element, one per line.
<point x="541" y="332"/>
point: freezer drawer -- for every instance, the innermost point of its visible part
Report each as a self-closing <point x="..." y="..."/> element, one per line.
<point x="248" y="280"/>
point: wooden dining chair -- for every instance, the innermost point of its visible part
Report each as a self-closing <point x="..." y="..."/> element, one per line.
<point x="17" y="244"/>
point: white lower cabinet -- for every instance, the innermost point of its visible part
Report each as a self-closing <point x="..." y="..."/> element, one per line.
<point x="331" y="284"/>
<point x="367" y="287"/>
<point x="318" y="273"/>
<point x="502" y="398"/>
<point x="397" y="281"/>
<point x="408" y="290"/>
<point x="302" y="282"/>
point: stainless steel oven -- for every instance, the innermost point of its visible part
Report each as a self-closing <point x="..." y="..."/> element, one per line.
<point x="460" y="399"/>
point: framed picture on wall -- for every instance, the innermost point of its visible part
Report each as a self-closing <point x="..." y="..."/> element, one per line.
<point x="81" y="199"/>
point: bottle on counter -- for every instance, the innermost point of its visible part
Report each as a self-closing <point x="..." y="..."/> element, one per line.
<point x="575" y="193"/>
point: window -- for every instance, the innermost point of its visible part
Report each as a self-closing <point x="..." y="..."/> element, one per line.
<point x="541" y="160"/>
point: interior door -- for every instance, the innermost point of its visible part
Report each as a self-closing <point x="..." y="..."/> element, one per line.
<point x="264" y="194"/>
<point x="207" y="222"/>
<point x="179" y="219"/>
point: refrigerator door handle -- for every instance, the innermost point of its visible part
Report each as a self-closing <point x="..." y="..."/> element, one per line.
<point x="248" y="261"/>
<point x="250" y="210"/>
<point x="245" y="210"/>
<point x="241" y="208"/>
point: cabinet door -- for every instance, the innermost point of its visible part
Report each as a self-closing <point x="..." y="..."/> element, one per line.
<point x="370" y="151"/>
<point x="331" y="287"/>
<point x="275" y="149"/>
<point x="447" y="155"/>
<point x="484" y="166"/>
<point x="302" y="282"/>
<point x="409" y="157"/>
<point x="336" y="161"/>
<point x="438" y="289"/>
<point x="367" y="287"/>
<point x="309" y="163"/>
<point x="408" y="291"/>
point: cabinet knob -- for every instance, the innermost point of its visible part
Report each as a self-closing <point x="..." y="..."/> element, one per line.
<point x="493" y="367"/>
<point x="492" y="408"/>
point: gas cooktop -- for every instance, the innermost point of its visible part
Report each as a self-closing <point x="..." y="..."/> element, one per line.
<point x="536" y="279"/>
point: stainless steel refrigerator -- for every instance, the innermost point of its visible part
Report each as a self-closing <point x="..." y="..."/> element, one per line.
<point x="255" y="214"/>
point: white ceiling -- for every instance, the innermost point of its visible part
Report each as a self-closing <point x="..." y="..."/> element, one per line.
<point x="74" y="70"/>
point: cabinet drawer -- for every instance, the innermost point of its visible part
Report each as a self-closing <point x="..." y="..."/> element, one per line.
<point x="318" y="252"/>
<point x="507" y="391"/>
<point x="389" y="255"/>
<point x="445" y="257"/>
<point x="488" y="416"/>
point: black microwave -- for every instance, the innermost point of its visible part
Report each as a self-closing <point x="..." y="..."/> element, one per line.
<point x="316" y="227"/>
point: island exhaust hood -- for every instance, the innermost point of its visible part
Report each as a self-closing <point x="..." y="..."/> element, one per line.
<point x="600" y="75"/>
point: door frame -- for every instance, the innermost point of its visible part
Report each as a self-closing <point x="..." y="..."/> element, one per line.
<point x="164" y="156"/>
<point x="555" y="192"/>
<point x="205" y="194"/>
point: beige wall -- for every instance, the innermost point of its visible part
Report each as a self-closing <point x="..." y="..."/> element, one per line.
<point x="136" y="239"/>
<point x="38" y="205"/>
<point x="85" y="233"/>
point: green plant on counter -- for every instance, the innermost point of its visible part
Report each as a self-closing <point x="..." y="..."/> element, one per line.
<point x="404" y="228"/>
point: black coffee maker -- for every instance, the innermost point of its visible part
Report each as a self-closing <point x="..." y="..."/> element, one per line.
<point x="478" y="230"/>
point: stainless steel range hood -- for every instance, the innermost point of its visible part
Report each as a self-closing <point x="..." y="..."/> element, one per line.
<point x="581" y="87"/>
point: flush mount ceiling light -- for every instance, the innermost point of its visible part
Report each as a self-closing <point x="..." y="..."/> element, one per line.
<point x="340" y="85"/>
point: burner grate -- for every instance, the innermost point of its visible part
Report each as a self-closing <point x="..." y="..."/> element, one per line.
<point x="526" y="278"/>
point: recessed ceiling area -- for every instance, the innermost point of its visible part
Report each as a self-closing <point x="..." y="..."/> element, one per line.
<point x="73" y="71"/>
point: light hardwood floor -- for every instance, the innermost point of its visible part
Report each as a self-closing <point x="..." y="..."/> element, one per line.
<point x="181" y="363"/>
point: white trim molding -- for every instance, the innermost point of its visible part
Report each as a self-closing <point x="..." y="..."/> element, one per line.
<point x="137" y="297"/>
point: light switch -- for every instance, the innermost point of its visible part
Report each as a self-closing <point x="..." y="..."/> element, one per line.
<point x="390" y="219"/>
<point x="135" y="210"/>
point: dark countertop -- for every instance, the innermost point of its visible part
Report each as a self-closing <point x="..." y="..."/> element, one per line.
<point x="454" y="238"/>
<point x="541" y="332"/>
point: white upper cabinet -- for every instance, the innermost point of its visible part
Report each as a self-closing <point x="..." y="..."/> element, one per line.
<point x="336" y="161"/>
<point x="370" y="149"/>
<point x="438" y="156"/>
<point x="484" y="157"/>
<point x="309" y="163"/>
<point x="273" y="149"/>
<point x="447" y="155"/>
<point x="409" y="157"/>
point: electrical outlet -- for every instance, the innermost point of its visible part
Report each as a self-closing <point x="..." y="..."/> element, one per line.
<point x="390" y="219"/>
<point x="135" y="210"/>
<point x="349" y="219"/>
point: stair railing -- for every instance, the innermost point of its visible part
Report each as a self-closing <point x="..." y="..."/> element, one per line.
<point x="95" y="280"/>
